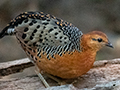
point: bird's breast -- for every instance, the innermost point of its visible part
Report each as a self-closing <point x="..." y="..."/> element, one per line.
<point x="68" y="65"/>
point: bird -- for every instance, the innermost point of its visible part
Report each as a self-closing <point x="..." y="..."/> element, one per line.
<point x="55" y="46"/>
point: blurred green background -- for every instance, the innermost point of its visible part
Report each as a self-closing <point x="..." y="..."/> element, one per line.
<point x="87" y="15"/>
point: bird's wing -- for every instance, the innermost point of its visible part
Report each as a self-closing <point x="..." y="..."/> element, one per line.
<point x="45" y="33"/>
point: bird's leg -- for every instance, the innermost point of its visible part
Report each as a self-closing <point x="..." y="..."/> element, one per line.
<point x="55" y="79"/>
<point x="42" y="78"/>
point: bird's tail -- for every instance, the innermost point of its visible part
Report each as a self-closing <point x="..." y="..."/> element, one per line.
<point x="7" y="31"/>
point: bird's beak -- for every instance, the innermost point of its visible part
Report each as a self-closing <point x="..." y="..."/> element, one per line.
<point x="109" y="44"/>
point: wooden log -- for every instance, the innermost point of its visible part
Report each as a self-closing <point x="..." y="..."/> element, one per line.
<point x="105" y="75"/>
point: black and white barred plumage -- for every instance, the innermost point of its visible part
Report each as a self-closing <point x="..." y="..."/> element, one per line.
<point x="44" y="33"/>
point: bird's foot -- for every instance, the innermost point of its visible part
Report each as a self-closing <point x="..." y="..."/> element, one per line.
<point x="60" y="82"/>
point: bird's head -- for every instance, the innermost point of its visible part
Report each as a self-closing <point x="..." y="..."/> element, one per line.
<point x="95" y="40"/>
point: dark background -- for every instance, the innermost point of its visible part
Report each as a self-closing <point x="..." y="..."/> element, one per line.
<point x="87" y="15"/>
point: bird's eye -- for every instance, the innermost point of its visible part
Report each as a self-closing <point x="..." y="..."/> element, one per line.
<point x="99" y="40"/>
